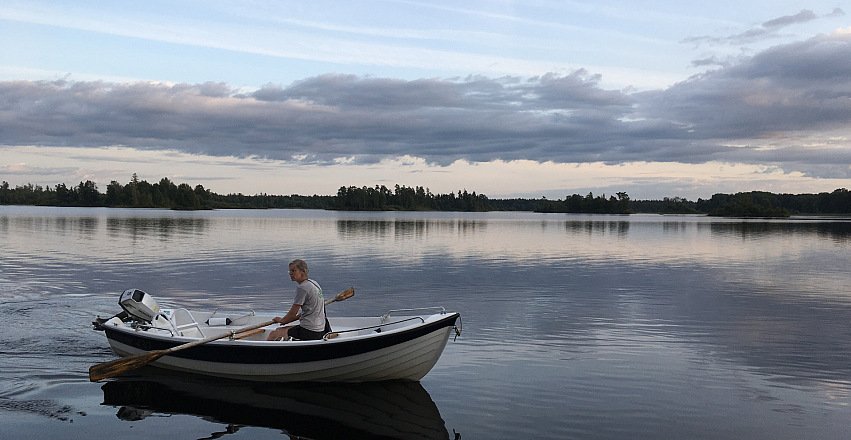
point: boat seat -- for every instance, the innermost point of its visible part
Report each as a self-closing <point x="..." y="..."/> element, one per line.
<point x="185" y="324"/>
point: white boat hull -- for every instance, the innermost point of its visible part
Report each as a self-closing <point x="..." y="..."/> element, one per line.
<point x="404" y="348"/>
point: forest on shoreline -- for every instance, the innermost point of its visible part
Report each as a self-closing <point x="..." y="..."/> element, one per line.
<point x="168" y="195"/>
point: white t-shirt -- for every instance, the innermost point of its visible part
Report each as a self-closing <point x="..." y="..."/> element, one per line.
<point x="308" y="295"/>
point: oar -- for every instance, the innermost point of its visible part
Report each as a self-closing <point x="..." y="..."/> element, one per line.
<point x="121" y="365"/>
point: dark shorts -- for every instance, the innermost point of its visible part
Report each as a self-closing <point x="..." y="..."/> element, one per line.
<point x="303" y="334"/>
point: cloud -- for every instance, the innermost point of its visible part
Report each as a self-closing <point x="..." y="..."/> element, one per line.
<point x="837" y="12"/>
<point x="766" y="30"/>
<point x="790" y="105"/>
<point x="17" y="168"/>
<point x="787" y="20"/>
<point x="712" y="61"/>
<point x="323" y="118"/>
<point x="787" y="106"/>
<point x="799" y="86"/>
<point x="25" y="169"/>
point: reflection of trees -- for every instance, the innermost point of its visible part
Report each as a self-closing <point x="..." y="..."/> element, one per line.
<point x="402" y="228"/>
<point x="162" y="226"/>
<point x="619" y="228"/>
<point x="363" y="228"/>
<point x="412" y="228"/>
<point x="674" y="226"/>
<point x="838" y="231"/>
<point x="83" y="225"/>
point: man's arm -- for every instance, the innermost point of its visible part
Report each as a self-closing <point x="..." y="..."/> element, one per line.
<point x="292" y="315"/>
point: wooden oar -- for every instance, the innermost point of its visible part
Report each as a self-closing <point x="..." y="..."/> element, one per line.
<point x="121" y="365"/>
<point x="250" y="333"/>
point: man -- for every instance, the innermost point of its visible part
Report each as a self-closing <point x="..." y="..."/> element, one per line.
<point x="308" y="308"/>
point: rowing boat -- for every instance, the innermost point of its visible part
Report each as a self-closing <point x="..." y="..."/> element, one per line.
<point x="401" y="344"/>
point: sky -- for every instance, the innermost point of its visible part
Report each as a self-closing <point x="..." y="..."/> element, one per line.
<point x="531" y="98"/>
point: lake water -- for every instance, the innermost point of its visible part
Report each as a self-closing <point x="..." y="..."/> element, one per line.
<point x="586" y="327"/>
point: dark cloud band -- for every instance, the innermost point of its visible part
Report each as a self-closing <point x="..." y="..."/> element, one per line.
<point x="782" y="97"/>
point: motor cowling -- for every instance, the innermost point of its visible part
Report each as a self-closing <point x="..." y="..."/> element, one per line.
<point x="139" y="304"/>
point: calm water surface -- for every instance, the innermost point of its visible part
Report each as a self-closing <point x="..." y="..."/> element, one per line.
<point x="587" y="327"/>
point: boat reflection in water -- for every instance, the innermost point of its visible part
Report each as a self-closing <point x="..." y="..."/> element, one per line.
<point x="385" y="410"/>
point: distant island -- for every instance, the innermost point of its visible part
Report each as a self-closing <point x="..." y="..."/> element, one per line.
<point x="166" y="194"/>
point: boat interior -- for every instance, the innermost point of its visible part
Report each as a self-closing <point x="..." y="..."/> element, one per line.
<point x="196" y="324"/>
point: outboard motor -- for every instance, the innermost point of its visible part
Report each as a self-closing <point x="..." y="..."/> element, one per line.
<point x="139" y="304"/>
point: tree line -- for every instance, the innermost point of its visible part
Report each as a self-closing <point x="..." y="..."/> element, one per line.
<point x="142" y="194"/>
<point x="588" y="204"/>
<point x="136" y="194"/>
<point x="836" y="202"/>
<point x="381" y="198"/>
<point x="166" y="194"/>
<point x="753" y="204"/>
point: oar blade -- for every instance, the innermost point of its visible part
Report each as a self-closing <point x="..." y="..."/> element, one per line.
<point x="121" y="365"/>
<point x="344" y="295"/>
